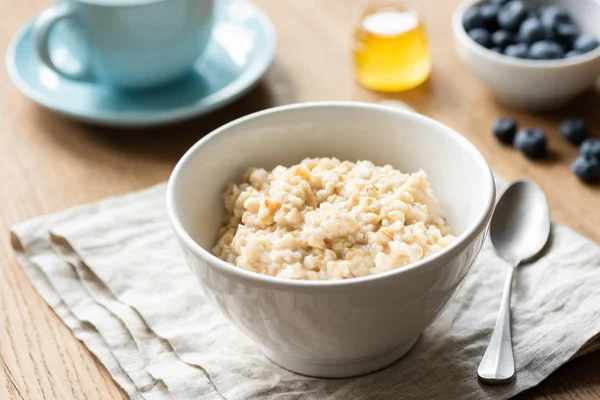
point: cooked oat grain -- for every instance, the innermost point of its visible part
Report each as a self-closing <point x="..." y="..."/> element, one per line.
<point x="326" y="219"/>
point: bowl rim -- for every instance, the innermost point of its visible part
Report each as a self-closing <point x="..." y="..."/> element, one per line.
<point x="461" y="34"/>
<point x="461" y="242"/>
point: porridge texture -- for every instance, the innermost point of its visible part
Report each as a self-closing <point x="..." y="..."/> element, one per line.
<point x="325" y="219"/>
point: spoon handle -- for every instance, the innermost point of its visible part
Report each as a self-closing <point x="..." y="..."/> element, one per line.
<point x="498" y="365"/>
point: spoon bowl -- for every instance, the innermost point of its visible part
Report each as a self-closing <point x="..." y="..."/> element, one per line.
<point x="520" y="227"/>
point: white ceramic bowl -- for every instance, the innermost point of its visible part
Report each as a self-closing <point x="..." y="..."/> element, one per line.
<point x="533" y="84"/>
<point x="345" y="327"/>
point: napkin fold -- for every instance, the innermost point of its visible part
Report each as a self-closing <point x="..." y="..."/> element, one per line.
<point x="113" y="272"/>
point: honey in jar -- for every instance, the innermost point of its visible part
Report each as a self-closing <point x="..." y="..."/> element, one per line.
<point x="391" y="52"/>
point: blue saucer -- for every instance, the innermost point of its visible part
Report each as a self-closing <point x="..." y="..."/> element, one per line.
<point x="241" y="49"/>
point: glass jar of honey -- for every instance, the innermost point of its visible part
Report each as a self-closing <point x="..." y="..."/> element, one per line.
<point x="390" y="48"/>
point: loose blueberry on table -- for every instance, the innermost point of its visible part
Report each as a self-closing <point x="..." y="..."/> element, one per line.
<point x="521" y="30"/>
<point x="587" y="166"/>
<point x="531" y="142"/>
<point x="574" y="130"/>
<point x="505" y="129"/>
<point x="590" y="149"/>
<point x="587" y="169"/>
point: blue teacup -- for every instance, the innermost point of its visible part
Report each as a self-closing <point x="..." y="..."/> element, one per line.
<point x="129" y="44"/>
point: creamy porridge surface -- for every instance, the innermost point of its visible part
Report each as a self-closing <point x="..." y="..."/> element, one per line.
<point x="326" y="219"/>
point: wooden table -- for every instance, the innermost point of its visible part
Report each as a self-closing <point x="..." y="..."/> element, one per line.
<point x="50" y="163"/>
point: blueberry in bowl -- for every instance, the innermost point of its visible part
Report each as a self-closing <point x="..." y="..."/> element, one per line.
<point x="546" y="50"/>
<point x="519" y="50"/>
<point x="511" y="15"/>
<point x="531" y="30"/>
<point x="538" y="55"/>
<point x="494" y="24"/>
<point x="502" y="39"/>
<point x="566" y="35"/>
<point x="481" y="36"/>
<point x="586" y="43"/>
<point x="573" y="53"/>
<point x="554" y="15"/>
<point x="489" y="16"/>
<point x="472" y="19"/>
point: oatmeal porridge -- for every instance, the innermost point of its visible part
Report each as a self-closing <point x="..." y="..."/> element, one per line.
<point x="326" y="219"/>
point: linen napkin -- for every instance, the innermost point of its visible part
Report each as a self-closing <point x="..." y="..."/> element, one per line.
<point x="113" y="272"/>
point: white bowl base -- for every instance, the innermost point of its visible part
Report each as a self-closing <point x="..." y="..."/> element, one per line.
<point x="342" y="369"/>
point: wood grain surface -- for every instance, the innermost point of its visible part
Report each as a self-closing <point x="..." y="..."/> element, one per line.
<point x="49" y="163"/>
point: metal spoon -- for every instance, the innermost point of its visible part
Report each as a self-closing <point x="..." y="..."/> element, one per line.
<point x="519" y="231"/>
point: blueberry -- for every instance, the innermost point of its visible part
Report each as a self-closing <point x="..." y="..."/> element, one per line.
<point x="511" y="15"/>
<point x="566" y="35"/>
<point x="550" y="32"/>
<point x="573" y="53"/>
<point x="574" y="130"/>
<point x="481" y="36"/>
<point x="585" y="43"/>
<point x="531" y="31"/>
<point x="554" y="15"/>
<point x="530" y="8"/>
<point x="502" y="39"/>
<point x="497" y="49"/>
<point x="499" y="2"/>
<point x="590" y="149"/>
<point x="532" y="13"/>
<point x="542" y="9"/>
<point x="587" y="169"/>
<point x="473" y="19"/>
<point x="519" y="50"/>
<point x="505" y="129"/>
<point x="532" y="142"/>
<point x="489" y="15"/>
<point x="546" y="50"/>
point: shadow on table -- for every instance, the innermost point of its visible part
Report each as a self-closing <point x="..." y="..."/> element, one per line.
<point x="166" y="143"/>
<point x="586" y="106"/>
<point x="419" y="98"/>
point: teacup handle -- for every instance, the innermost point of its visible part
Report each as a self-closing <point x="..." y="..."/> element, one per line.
<point x="42" y="28"/>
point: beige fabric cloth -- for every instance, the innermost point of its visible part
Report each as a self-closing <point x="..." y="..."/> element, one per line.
<point x="112" y="271"/>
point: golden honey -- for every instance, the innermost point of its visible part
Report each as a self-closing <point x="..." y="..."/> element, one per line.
<point x="391" y="52"/>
